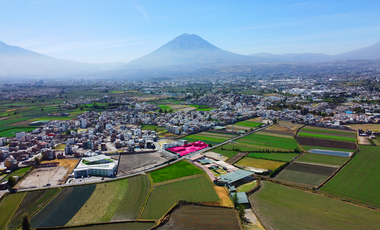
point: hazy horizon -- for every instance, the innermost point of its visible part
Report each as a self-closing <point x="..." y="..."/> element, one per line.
<point x="121" y="31"/>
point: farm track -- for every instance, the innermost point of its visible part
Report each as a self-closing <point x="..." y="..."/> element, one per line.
<point x="237" y="157"/>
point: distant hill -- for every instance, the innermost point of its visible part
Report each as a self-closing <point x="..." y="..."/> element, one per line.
<point x="190" y="50"/>
<point x="371" y="52"/>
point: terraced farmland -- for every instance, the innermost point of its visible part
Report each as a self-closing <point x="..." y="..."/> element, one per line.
<point x="359" y="179"/>
<point x="63" y="207"/>
<point x="202" y="218"/>
<point x="31" y="203"/>
<point x="177" y="170"/>
<point x="8" y="206"/>
<point x="285" y="208"/>
<point x="165" y="196"/>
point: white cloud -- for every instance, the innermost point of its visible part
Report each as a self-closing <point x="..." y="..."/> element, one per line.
<point x="142" y="11"/>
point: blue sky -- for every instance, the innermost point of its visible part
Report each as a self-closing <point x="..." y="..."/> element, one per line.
<point x="112" y="30"/>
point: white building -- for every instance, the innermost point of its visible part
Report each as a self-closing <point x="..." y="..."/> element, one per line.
<point x="100" y="165"/>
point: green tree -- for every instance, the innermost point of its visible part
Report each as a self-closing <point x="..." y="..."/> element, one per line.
<point x="25" y="223"/>
<point x="160" y="110"/>
<point x="235" y="199"/>
<point x="12" y="181"/>
<point x="37" y="160"/>
<point x="42" y="109"/>
<point x="241" y="211"/>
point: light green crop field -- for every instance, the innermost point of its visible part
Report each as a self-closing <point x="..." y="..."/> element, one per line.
<point x="322" y="159"/>
<point x="259" y="163"/>
<point x="105" y="200"/>
<point x="246" y="187"/>
<point x="274" y="156"/>
<point x="30" y="204"/>
<point x="165" y="196"/>
<point x="256" y="141"/>
<point x="301" y="178"/>
<point x="327" y="137"/>
<point x="211" y="139"/>
<point x="12" y="132"/>
<point x="248" y="123"/>
<point x="177" y="170"/>
<point x="19" y="172"/>
<point x="116" y="226"/>
<point x="329" y="131"/>
<point x="153" y="128"/>
<point x="8" y="206"/>
<point x="359" y="179"/>
<point x="287" y="208"/>
<point x="224" y="152"/>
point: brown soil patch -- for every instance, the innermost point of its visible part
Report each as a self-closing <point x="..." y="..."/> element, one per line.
<point x="363" y="140"/>
<point x="236" y="158"/>
<point x="286" y="126"/>
<point x="3" y="118"/>
<point x="277" y="132"/>
<point x="325" y="143"/>
<point x="223" y="196"/>
<point x="312" y="168"/>
<point x="10" y="110"/>
<point x="21" y="123"/>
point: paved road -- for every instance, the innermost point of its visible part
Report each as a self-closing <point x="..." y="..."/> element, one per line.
<point x="79" y="181"/>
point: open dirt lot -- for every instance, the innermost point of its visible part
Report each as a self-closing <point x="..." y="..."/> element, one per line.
<point x="54" y="176"/>
<point x="131" y="163"/>
<point x="325" y="143"/>
<point x="363" y="140"/>
<point x="237" y="157"/>
<point x="215" y="156"/>
<point x="286" y="127"/>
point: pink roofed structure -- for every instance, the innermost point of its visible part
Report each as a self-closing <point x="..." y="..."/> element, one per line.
<point x="189" y="148"/>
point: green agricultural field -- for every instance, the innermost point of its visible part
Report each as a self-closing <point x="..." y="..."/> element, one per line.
<point x="60" y="210"/>
<point x="8" y="206"/>
<point x="286" y="208"/>
<point x="359" y="179"/>
<point x="31" y="203"/>
<point x="132" y="203"/>
<point x="274" y="156"/>
<point x="12" y="132"/>
<point x="206" y="139"/>
<point x="301" y="178"/>
<point x="322" y="159"/>
<point x="165" y="196"/>
<point x="250" y="124"/>
<point x="177" y="170"/>
<point x="224" y="152"/>
<point x="259" y="163"/>
<point x="328" y="131"/>
<point x="327" y="137"/>
<point x="153" y="128"/>
<point x="116" y="226"/>
<point x="12" y="120"/>
<point x="52" y="118"/>
<point x="246" y="187"/>
<point x="202" y="107"/>
<point x="163" y="107"/>
<point x="19" y="172"/>
<point x="308" y="147"/>
<point x="105" y="199"/>
<point x="256" y="141"/>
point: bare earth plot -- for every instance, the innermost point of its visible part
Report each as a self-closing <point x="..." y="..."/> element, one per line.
<point x="200" y="217"/>
<point x="305" y="174"/>
<point x="54" y="176"/>
<point x="131" y="163"/>
<point x="286" y="127"/>
<point x="237" y="157"/>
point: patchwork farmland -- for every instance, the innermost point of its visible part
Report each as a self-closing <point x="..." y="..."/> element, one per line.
<point x="165" y="196"/>
<point x="285" y="208"/>
<point x="177" y="170"/>
<point x="32" y="202"/>
<point x="244" y="125"/>
<point x="311" y="170"/>
<point x="248" y="162"/>
<point x="359" y="179"/>
<point x="262" y="142"/>
<point x="208" y="137"/>
<point x="315" y="137"/>
<point x="8" y="206"/>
